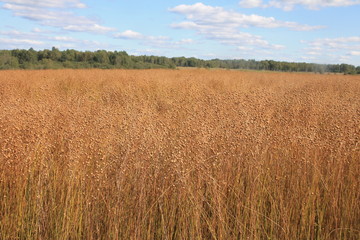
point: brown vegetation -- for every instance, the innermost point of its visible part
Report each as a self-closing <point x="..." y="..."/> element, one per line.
<point x="179" y="154"/>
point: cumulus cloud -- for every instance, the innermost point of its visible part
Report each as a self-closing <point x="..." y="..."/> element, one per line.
<point x="251" y="3"/>
<point x="218" y="24"/>
<point x="132" y="35"/>
<point x="341" y="43"/>
<point x="55" y="14"/>
<point x="20" y="41"/>
<point x="91" y="27"/>
<point x="48" y="3"/>
<point x="333" y="49"/>
<point x="63" y="39"/>
<point x="288" y="5"/>
<point x="129" y="34"/>
<point x="21" y="35"/>
<point x="206" y="16"/>
<point x="41" y="38"/>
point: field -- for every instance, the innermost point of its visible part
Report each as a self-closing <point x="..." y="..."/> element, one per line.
<point x="179" y="154"/>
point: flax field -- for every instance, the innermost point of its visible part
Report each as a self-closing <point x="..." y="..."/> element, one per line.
<point x="179" y="154"/>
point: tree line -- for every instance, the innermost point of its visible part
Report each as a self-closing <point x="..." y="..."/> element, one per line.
<point x="56" y="59"/>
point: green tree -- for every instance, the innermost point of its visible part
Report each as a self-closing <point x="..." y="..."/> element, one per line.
<point x="7" y="61"/>
<point x="101" y="56"/>
<point x="68" y="55"/>
<point x="25" y="56"/>
<point x="55" y="54"/>
<point x="45" y="54"/>
<point x="347" y="69"/>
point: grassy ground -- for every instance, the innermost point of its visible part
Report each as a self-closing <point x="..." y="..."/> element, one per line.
<point x="179" y="154"/>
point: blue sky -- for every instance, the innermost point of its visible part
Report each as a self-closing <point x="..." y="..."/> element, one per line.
<point x="320" y="31"/>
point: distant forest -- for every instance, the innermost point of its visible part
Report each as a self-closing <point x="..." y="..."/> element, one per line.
<point x="56" y="59"/>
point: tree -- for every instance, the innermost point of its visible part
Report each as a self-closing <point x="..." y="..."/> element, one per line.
<point x="101" y="56"/>
<point x="25" y="56"/>
<point x="54" y="58"/>
<point x="45" y="54"/>
<point x="7" y="61"/>
<point x="55" y="54"/>
<point x="68" y="55"/>
<point x="347" y="69"/>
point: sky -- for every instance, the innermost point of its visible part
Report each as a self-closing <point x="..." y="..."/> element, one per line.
<point x="317" y="31"/>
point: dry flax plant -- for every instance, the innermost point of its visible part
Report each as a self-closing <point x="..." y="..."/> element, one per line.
<point x="179" y="154"/>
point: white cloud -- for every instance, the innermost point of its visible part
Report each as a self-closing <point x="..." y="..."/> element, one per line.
<point x="20" y="41"/>
<point x="341" y="43"/>
<point x="251" y="3"/>
<point x="154" y="41"/>
<point x="288" y="5"/>
<point x="63" y="39"/>
<point x="313" y="53"/>
<point x="55" y="14"/>
<point x="216" y="23"/>
<point x="354" y="53"/>
<point x="159" y="41"/>
<point x="333" y="49"/>
<point x="48" y="3"/>
<point x="69" y="42"/>
<point x="244" y="48"/>
<point x="20" y="35"/>
<point x="129" y="34"/>
<point x="206" y="16"/>
<point x="132" y="35"/>
<point x="92" y="27"/>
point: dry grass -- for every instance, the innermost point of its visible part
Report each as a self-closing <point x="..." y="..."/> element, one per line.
<point x="169" y="154"/>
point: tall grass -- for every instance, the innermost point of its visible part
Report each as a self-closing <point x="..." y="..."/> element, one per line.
<point x="190" y="154"/>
